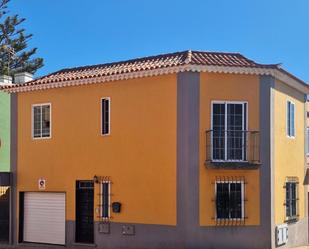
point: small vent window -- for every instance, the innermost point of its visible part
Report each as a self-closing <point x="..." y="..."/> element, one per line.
<point x="290" y="119"/>
<point x="105" y="116"/>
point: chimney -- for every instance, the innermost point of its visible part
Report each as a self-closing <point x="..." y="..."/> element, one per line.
<point x="5" y="80"/>
<point x="23" y="77"/>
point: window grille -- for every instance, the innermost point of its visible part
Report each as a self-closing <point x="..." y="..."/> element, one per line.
<point x="230" y="200"/>
<point x="291" y="199"/>
<point x="105" y="197"/>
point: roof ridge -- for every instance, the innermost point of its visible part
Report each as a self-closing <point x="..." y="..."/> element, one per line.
<point x="215" y="52"/>
<point x="188" y="53"/>
<point x="126" y="61"/>
<point x="188" y="60"/>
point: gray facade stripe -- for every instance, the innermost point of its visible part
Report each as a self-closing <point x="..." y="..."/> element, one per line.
<point x="306" y="204"/>
<point x="305" y="156"/>
<point x="13" y="169"/>
<point x="188" y="102"/>
<point x="267" y="83"/>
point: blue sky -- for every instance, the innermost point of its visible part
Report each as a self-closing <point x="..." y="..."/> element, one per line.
<point x="72" y="33"/>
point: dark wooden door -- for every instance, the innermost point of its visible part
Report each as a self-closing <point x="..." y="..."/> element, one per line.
<point x="84" y="212"/>
<point x="4" y="213"/>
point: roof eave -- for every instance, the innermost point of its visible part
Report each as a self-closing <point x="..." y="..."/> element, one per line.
<point x="276" y="72"/>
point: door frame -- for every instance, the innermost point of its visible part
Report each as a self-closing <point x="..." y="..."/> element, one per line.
<point x="93" y="225"/>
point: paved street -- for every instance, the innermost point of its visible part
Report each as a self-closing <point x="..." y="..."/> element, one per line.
<point x="2" y="246"/>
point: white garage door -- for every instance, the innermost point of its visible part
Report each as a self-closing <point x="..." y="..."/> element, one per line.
<point x="44" y="218"/>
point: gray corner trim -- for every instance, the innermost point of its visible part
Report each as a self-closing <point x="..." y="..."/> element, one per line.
<point x="305" y="156"/>
<point x="188" y="112"/>
<point x="306" y="200"/>
<point x="13" y="155"/>
<point x="267" y="84"/>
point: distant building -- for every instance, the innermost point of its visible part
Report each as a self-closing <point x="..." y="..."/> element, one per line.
<point x="6" y="158"/>
<point x="5" y="107"/>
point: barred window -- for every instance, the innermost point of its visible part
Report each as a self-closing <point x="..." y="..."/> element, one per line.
<point x="105" y="116"/>
<point x="41" y="121"/>
<point x="230" y="200"/>
<point x="291" y="199"/>
<point x="105" y="199"/>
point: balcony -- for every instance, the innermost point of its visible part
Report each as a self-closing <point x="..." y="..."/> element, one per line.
<point x="232" y="149"/>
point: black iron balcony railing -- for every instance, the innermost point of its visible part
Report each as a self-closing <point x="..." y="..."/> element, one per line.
<point x="226" y="146"/>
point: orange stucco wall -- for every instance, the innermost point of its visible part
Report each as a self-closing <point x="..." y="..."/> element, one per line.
<point x="227" y="87"/>
<point x="139" y="155"/>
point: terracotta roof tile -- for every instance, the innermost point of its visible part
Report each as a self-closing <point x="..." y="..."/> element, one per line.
<point x="149" y="63"/>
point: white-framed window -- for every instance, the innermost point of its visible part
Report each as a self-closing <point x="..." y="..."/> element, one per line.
<point x="105" y="199"/>
<point x="230" y="200"/>
<point x="290" y="119"/>
<point x="105" y="116"/>
<point x="229" y="130"/>
<point x="291" y="198"/>
<point x="41" y="121"/>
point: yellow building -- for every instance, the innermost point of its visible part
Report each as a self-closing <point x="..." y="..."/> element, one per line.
<point x="184" y="150"/>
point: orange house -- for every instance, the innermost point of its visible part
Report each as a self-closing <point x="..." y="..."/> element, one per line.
<point x="184" y="150"/>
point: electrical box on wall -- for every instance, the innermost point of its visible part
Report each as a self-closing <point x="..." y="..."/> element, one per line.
<point x="282" y="234"/>
<point x="128" y="230"/>
<point x="104" y="227"/>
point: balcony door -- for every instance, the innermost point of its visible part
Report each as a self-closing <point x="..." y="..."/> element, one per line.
<point x="229" y="125"/>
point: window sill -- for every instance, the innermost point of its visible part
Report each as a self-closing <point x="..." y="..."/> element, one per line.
<point x="41" y="138"/>
<point x="291" y="220"/>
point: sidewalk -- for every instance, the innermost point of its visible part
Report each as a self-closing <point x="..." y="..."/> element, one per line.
<point x="2" y="246"/>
